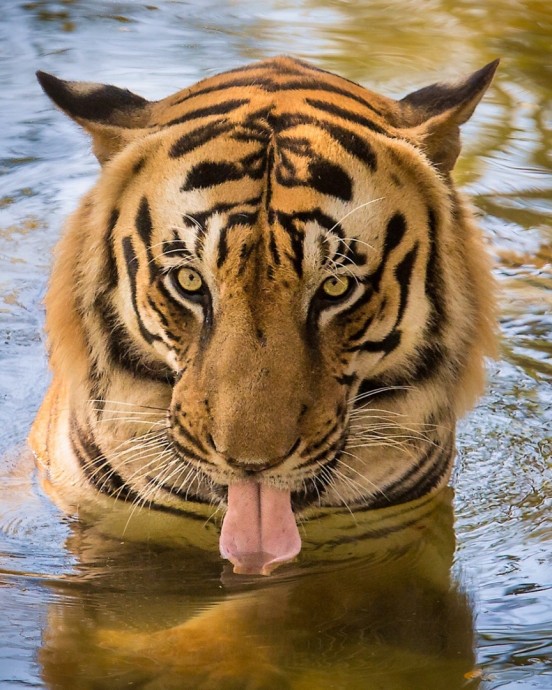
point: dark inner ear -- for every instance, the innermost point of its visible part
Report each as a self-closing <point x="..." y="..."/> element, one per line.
<point x="95" y="102"/>
<point x="434" y="115"/>
<point x="437" y="98"/>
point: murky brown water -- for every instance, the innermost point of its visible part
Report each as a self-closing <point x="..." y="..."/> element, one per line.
<point x="407" y="602"/>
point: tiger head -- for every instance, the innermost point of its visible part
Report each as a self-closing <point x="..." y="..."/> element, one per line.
<point x="277" y="258"/>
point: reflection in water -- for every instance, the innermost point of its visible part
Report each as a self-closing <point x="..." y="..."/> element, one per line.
<point x="383" y="607"/>
<point x="394" y="619"/>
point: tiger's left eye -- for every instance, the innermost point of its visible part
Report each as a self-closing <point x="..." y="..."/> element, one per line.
<point x="189" y="281"/>
<point x="336" y="286"/>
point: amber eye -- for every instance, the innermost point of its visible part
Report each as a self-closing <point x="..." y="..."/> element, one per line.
<point x="336" y="286"/>
<point x="189" y="281"/>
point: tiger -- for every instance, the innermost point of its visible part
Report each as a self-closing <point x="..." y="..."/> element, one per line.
<point x="274" y="301"/>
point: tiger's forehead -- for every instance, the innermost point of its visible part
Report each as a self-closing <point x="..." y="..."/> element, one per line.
<point x="278" y="164"/>
<point x="280" y="81"/>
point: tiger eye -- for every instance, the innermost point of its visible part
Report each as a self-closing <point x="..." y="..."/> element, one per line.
<point x="336" y="286"/>
<point x="189" y="280"/>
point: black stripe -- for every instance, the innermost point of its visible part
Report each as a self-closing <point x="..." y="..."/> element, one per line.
<point x="188" y="453"/>
<point x="430" y="359"/>
<point x="296" y="238"/>
<point x="122" y="352"/>
<point x="346" y="379"/>
<point x="111" y="264"/>
<point x="273" y="247"/>
<point x="371" y="386"/>
<point x="242" y="218"/>
<point x="178" y="426"/>
<point x="131" y="261"/>
<point x="314" y="216"/>
<point x="386" y="345"/>
<point x="261" y="82"/>
<point x="176" y="247"/>
<point x="95" y="466"/>
<point x="143" y="222"/>
<point x="403" y="273"/>
<point x="364" y="298"/>
<point x="350" y="141"/>
<point x="144" y="226"/>
<point x="395" y="231"/>
<point x="399" y="491"/>
<point x="433" y="467"/>
<point x="397" y="487"/>
<point x="322" y="441"/>
<point x="434" y="474"/>
<point x="331" y="179"/>
<point x="326" y="88"/>
<point x="331" y="449"/>
<point x="361" y="332"/>
<point x="245" y="253"/>
<point x="107" y="481"/>
<point x="434" y="284"/>
<point x="253" y="165"/>
<point x="199" y="136"/>
<point x="216" y="109"/>
<point x="264" y="83"/>
<point x="165" y="310"/>
<point x="268" y="179"/>
<point x="345" y="114"/>
<point x="182" y="494"/>
<point x="138" y="166"/>
<point x="314" y="487"/>
<point x="208" y="174"/>
<point x="222" y="247"/>
<point x="428" y="364"/>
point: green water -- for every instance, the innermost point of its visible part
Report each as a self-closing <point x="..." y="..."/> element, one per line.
<point x="445" y="595"/>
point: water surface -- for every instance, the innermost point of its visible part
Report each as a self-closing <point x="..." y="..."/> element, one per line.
<point x="410" y="601"/>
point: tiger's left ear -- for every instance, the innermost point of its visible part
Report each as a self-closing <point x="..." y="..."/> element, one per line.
<point x="434" y="114"/>
<point x="112" y="116"/>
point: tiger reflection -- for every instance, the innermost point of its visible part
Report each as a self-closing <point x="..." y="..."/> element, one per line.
<point x="375" y="607"/>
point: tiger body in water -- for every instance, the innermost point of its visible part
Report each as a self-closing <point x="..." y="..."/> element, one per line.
<point x="274" y="298"/>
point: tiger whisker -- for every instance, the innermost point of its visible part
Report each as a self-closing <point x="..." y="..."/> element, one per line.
<point x="155" y="453"/>
<point x="364" y="479"/>
<point x="137" y="413"/>
<point x="330" y="477"/>
<point x="354" y="210"/>
<point x="122" y="402"/>
<point x="377" y="391"/>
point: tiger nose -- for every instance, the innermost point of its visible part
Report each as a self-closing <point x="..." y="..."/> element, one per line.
<point x="251" y="465"/>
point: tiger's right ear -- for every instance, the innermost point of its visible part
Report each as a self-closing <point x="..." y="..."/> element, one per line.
<point x="112" y="116"/>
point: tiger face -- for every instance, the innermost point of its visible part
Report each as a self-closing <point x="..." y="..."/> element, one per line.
<point x="274" y="262"/>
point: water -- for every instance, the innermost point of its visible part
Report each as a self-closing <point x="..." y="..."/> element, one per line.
<point x="410" y="602"/>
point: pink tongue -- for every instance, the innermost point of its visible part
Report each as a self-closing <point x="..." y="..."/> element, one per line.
<point x="259" y="531"/>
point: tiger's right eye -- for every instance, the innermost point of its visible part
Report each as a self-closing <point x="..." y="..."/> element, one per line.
<point x="189" y="281"/>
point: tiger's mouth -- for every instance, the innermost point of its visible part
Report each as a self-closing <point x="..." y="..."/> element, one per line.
<point x="259" y="530"/>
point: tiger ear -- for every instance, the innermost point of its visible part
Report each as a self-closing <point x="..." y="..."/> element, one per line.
<point x="112" y="116"/>
<point x="437" y="111"/>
